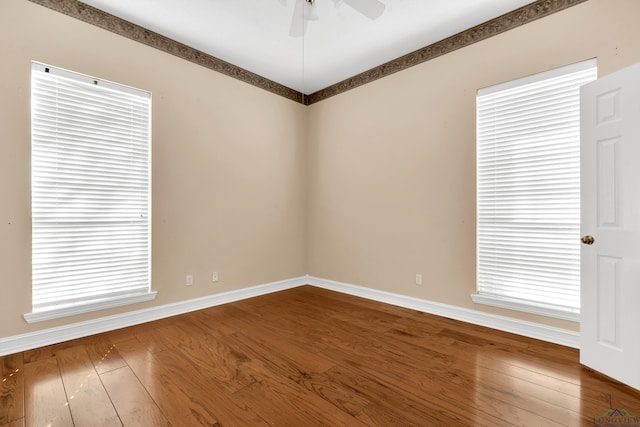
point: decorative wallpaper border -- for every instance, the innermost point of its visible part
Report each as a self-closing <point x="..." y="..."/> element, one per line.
<point x="531" y="12"/>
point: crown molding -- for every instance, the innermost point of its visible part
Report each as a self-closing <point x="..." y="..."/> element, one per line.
<point x="524" y="15"/>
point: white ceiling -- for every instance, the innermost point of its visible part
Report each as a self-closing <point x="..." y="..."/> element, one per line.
<point x="254" y="34"/>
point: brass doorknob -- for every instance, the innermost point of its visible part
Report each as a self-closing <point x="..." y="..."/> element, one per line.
<point x="587" y="240"/>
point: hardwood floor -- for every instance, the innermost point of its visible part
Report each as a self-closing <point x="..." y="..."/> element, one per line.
<point x="305" y="357"/>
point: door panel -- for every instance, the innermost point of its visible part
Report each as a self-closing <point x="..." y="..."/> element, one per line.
<point x="609" y="309"/>
<point x="610" y="211"/>
<point x="608" y="200"/>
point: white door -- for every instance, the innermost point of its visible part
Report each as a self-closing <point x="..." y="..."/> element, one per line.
<point x="610" y="209"/>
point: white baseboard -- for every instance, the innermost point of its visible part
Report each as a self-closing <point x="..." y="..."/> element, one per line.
<point x="520" y="327"/>
<point x="28" y="341"/>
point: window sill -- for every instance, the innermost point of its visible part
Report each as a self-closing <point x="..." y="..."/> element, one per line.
<point x="42" y="316"/>
<point x="519" y="305"/>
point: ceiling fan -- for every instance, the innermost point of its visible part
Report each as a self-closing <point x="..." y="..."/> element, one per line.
<point x="306" y="9"/>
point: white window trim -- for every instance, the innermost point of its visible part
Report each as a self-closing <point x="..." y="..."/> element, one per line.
<point x="528" y="307"/>
<point x="43" y="316"/>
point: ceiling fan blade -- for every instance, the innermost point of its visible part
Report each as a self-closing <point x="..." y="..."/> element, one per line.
<point x="298" y="23"/>
<point x="310" y="11"/>
<point x="372" y="9"/>
<point x="303" y="12"/>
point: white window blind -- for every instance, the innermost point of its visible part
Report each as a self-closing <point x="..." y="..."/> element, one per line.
<point x="528" y="192"/>
<point x="90" y="157"/>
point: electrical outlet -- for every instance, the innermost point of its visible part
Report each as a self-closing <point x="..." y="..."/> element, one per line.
<point x="214" y="276"/>
<point x="418" y="279"/>
<point x="189" y="280"/>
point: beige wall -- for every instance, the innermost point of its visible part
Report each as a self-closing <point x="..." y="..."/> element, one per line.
<point x="392" y="163"/>
<point x="228" y="164"/>
<point x="369" y="187"/>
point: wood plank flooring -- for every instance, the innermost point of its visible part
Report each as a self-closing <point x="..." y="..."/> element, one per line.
<point x="305" y="357"/>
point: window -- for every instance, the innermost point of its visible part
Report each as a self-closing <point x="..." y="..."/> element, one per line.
<point x="90" y="184"/>
<point x="528" y="189"/>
